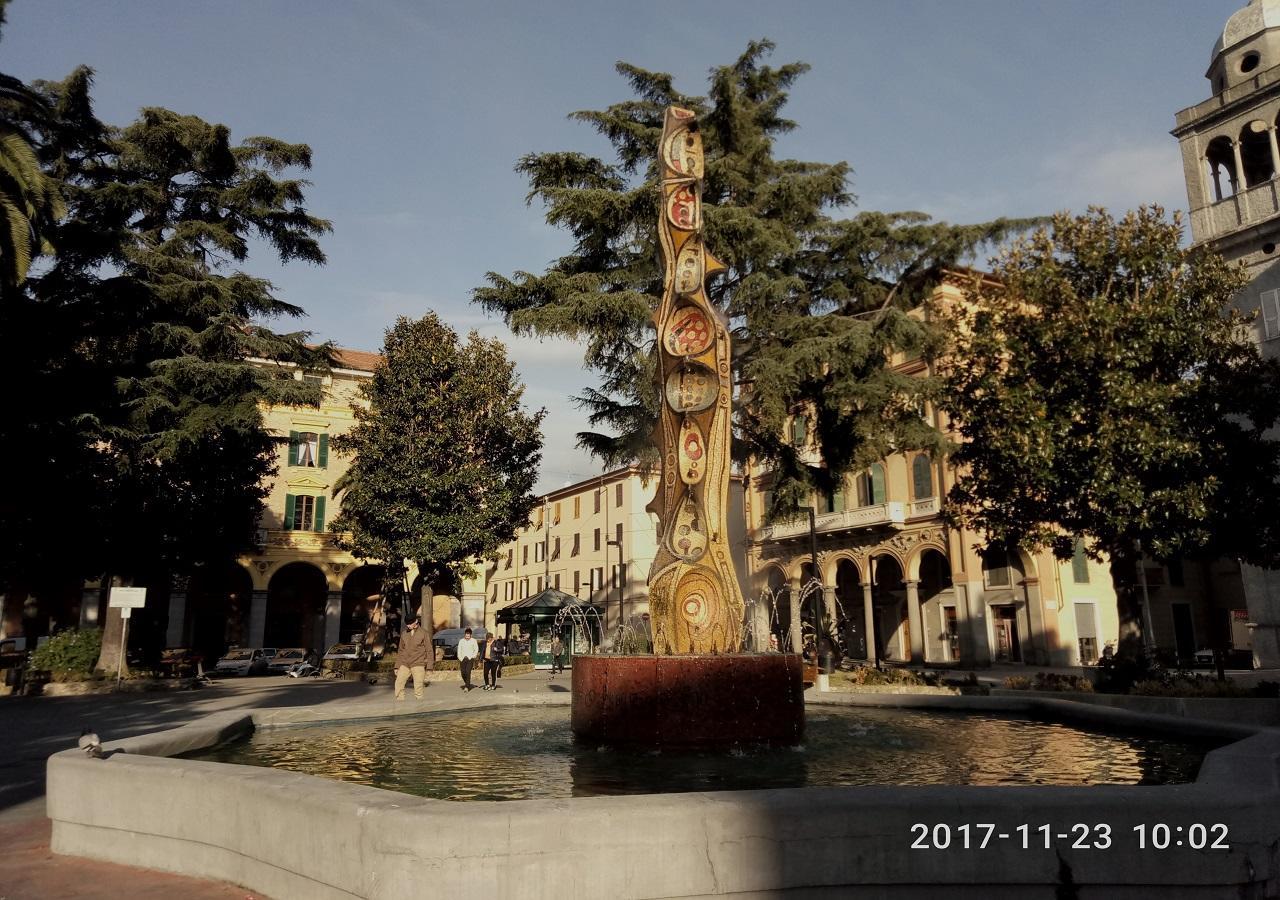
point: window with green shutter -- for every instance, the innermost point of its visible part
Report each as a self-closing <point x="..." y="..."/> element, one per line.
<point x="294" y="440"/>
<point x="1079" y="563"/>
<point x="324" y="451"/>
<point x="303" y="512"/>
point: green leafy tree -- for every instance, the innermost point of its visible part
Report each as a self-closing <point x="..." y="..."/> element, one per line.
<point x="444" y="457"/>
<point x="1106" y="390"/>
<point x="145" y="343"/>
<point x="817" y="304"/>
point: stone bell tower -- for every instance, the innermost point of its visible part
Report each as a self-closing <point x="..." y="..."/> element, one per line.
<point x="1231" y="163"/>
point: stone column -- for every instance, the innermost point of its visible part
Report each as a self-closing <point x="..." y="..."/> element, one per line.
<point x="1242" y="186"/>
<point x="915" y="622"/>
<point x="795" y="636"/>
<point x="1217" y="180"/>
<point x="1275" y="152"/>
<point x="332" y="619"/>
<point x="869" y="623"/>
<point x="175" y="633"/>
<point x="258" y="618"/>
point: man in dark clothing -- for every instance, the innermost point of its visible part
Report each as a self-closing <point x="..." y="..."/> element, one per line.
<point x="412" y="659"/>
<point x="557" y="655"/>
<point x="492" y="653"/>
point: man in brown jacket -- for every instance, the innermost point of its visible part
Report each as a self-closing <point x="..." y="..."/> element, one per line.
<point x="412" y="658"/>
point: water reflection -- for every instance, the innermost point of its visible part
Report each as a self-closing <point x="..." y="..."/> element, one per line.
<point x="516" y="753"/>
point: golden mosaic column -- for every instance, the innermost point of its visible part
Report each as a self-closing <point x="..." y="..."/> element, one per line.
<point x="694" y="601"/>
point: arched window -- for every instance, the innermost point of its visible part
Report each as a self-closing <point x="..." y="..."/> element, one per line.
<point x="871" y="490"/>
<point x="1222" y="161"/>
<point x="921" y="477"/>
<point x="1255" y="153"/>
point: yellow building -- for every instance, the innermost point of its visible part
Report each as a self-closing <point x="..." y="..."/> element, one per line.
<point x="586" y="539"/>
<point x="299" y="589"/>
<point x="890" y="568"/>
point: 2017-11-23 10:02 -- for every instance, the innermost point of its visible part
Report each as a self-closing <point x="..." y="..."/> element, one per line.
<point x="980" y="835"/>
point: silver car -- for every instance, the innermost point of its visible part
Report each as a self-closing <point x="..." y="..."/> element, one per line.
<point x="285" y="659"/>
<point x="242" y="661"/>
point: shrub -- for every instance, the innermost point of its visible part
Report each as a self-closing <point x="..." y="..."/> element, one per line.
<point x="1193" y="686"/>
<point x="1056" y="681"/>
<point x="870" y="676"/>
<point x="1017" y="683"/>
<point x="69" y="655"/>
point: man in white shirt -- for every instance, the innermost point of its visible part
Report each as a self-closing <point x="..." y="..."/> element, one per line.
<point x="468" y="650"/>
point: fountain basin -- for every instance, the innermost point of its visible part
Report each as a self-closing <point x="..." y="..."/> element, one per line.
<point x="286" y="834"/>
<point x="688" y="700"/>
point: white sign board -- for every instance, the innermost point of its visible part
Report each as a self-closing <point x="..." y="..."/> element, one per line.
<point x="128" y="597"/>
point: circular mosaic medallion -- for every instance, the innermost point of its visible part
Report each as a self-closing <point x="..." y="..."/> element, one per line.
<point x="689" y="333"/>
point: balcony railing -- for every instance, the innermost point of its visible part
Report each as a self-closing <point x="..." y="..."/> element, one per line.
<point x="926" y="507"/>
<point x="297" y="540"/>
<point x="892" y="514"/>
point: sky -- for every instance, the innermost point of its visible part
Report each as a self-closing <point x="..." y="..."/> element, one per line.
<point x="416" y="113"/>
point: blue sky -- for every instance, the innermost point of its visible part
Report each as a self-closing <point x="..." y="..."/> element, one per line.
<point x="417" y="112"/>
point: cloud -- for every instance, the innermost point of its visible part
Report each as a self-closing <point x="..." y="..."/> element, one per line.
<point x="1119" y="177"/>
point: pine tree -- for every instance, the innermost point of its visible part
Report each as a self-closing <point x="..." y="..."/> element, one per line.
<point x="145" y="345"/>
<point x="1106" y="390"/>
<point x="816" y="304"/>
<point x="444" y="457"/>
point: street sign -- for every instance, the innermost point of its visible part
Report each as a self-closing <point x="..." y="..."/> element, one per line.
<point x="128" y="597"/>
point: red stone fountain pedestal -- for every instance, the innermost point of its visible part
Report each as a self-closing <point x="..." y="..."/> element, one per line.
<point x="688" y="700"/>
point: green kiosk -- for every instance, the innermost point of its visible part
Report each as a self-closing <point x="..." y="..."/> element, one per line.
<point x="580" y="627"/>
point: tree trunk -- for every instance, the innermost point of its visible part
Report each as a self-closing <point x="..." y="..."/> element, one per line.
<point x="1124" y="580"/>
<point x="112" y="633"/>
<point x="427" y="620"/>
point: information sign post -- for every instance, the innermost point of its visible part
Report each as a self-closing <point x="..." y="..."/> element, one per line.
<point x="126" y="599"/>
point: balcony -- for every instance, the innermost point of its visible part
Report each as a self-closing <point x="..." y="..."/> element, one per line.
<point x="892" y="515"/>
<point x="297" y="540"/>
<point x="1256" y="204"/>
<point x="918" y="509"/>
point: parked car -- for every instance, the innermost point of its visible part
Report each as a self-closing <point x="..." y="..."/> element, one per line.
<point x="242" y="661"/>
<point x="447" y="639"/>
<point x="345" y="651"/>
<point x="285" y="659"/>
<point x="179" y="661"/>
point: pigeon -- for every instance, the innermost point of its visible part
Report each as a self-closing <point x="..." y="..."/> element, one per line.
<point x="90" y="744"/>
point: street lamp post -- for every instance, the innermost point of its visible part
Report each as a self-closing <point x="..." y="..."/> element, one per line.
<point x="817" y="595"/>
<point x="621" y="586"/>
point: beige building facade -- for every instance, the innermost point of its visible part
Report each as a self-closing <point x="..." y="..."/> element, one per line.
<point x="1231" y="160"/>
<point x="596" y="541"/>
<point x="903" y="586"/>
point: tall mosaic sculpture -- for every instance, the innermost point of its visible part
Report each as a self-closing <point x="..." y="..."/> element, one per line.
<point x="694" y="599"/>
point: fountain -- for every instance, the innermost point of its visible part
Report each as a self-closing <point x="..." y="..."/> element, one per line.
<point x="697" y="687"/>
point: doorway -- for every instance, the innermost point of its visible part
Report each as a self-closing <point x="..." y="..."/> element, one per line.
<point x="1005" y="624"/>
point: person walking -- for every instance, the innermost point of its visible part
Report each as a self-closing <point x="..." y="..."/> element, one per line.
<point x="468" y="650"/>
<point x="492" y="653"/>
<point x="411" y="659"/>
<point x="557" y="655"/>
